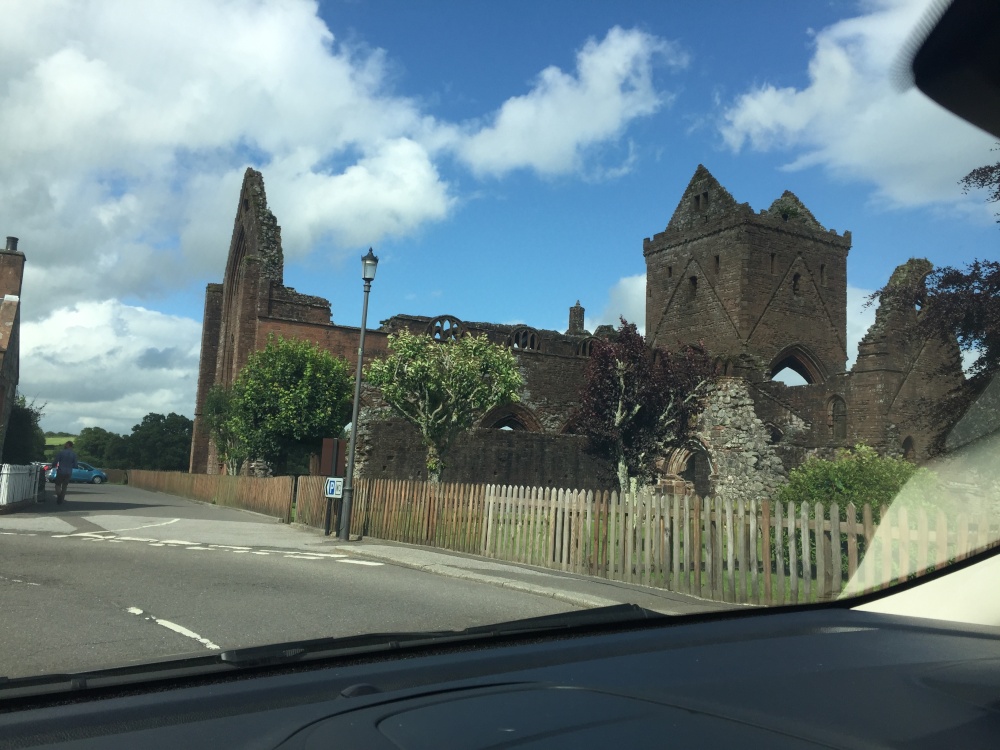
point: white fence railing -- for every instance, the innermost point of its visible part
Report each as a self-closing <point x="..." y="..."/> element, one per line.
<point x="18" y="483"/>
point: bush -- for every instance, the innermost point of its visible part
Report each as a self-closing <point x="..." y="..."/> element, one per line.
<point x="861" y="476"/>
<point x="858" y="475"/>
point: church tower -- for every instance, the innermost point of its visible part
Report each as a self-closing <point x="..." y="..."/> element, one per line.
<point x="761" y="291"/>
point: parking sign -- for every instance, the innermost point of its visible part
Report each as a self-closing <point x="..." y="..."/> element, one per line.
<point x="335" y="487"/>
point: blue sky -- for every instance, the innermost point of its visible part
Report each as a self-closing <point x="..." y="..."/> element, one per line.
<point x="503" y="159"/>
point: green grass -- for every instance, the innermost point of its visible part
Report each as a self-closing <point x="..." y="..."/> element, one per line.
<point x="53" y="444"/>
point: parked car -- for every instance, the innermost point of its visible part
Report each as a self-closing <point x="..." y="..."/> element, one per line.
<point x="83" y="472"/>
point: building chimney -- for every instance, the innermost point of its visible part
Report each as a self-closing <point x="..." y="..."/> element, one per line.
<point x="576" y="320"/>
<point x="11" y="245"/>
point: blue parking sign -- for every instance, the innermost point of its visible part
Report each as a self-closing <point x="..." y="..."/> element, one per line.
<point x="335" y="487"/>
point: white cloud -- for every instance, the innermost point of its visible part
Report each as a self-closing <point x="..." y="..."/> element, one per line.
<point x="551" y="128"/>
<point x="107" y="364"/>
<point x="860" y="317"/>
<point x="126" y="130"/>
<point x="626" y="299"/>
<point x="851" y="121"/>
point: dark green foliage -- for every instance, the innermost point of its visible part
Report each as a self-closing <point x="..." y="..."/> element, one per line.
<point x="160" y="443"/>
<point x="286" y="399"/>
<point x="25" y="441"/>
<point x="102" y="448"/>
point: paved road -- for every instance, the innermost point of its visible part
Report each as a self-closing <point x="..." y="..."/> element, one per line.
<point x="116" y="575"/>
<point x="174" y="578"/>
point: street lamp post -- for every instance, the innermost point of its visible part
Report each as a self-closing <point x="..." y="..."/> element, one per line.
<point x="368" y="265"/>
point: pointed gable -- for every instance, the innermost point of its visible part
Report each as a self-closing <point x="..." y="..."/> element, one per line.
<point x="789" y="208"/>
<point x="703" y="200"/>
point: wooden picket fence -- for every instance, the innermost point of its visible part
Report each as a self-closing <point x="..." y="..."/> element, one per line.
<point x="270" y="496"/>
<point x="743" y="552"/>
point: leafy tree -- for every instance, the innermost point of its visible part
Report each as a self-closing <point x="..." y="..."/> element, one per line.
<point x="966" y="303"/>
<point x="25" y="441"/>
<point x="160" y="443"/>
<point x="288" y="397"/>
<point x="984" y="178"/>
<point x="217" y="413"/>
<point x="638" y="403"/>
<point x="443" y="387"/>
<point x="102" y="448"/>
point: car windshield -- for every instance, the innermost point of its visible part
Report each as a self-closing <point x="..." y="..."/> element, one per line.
<point x="691" y="306"/>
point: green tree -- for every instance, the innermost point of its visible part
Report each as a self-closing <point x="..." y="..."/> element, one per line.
<point x="25" y="441"/>
<point x="286" y="399"/>
<point x="160" y="443"/>
<point x="217" y="414"/>
<point x="638" y="403"/>
<point x="102" y="448"/>
<point x="442" y="388"/>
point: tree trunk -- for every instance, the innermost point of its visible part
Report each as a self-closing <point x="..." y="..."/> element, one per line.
<point x="434" y="465"/>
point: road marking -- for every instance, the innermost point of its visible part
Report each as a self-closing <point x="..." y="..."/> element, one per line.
<point x="177" y="541"/>
<point x="18" y="580"/>
<point x="360" y="562"/>
<point x="180" y="629"/>
<point x="150" y="525"/>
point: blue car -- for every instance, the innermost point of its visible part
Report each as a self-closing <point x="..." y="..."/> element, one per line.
<point x="82" y="473"/>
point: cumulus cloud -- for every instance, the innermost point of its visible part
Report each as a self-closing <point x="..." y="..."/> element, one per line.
<point x="626" y="299"/>
<point x="127" y="128"/>
<point x="108" y="364"/>
<point x="850" y="120"/>
<point x="550" y="128"/>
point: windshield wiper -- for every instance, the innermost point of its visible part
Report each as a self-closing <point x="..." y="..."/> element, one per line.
<point x="294" y="651"/>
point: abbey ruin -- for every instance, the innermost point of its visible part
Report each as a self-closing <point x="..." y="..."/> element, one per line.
<point x="762" y="291"/>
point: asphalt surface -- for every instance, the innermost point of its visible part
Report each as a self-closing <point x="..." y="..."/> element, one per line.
<point x="118" y="575"/>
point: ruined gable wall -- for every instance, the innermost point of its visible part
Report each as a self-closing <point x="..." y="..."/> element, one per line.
<point x="202" y="452"/>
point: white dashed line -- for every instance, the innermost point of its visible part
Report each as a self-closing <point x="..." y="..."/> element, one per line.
<point x="180" y="629"/>
<point x="150" y="525"/>
<point x="112" y="536"/>
<point x="18" y="580"/>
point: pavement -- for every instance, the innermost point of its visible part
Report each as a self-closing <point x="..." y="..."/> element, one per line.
<point x="131" y="515"/>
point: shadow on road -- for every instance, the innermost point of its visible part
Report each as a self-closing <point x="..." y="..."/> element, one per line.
<point x="49" y="506"/>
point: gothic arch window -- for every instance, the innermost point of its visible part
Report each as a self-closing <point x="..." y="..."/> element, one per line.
<point x="525" y="339"/>
<point x="445" y="328"/>
<point x="693" y="286"/>
<point x="909" y="449"/>
<point x="800" y="360"/>
<point x="774" y="435"/>
<point x="837" y="418"/>
<point x="586" y="347"/>
<point x="511" y="417"/>
<point x="796" y="284"/>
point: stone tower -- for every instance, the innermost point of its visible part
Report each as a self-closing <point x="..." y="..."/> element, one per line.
<point x="763" y="291"/>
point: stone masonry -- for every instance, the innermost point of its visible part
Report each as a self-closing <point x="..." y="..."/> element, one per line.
<point x="761" y="291"/>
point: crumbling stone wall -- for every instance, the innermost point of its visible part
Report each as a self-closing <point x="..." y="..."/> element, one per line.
<point x="761" y="291"/>
<point x="744" y="464"/>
